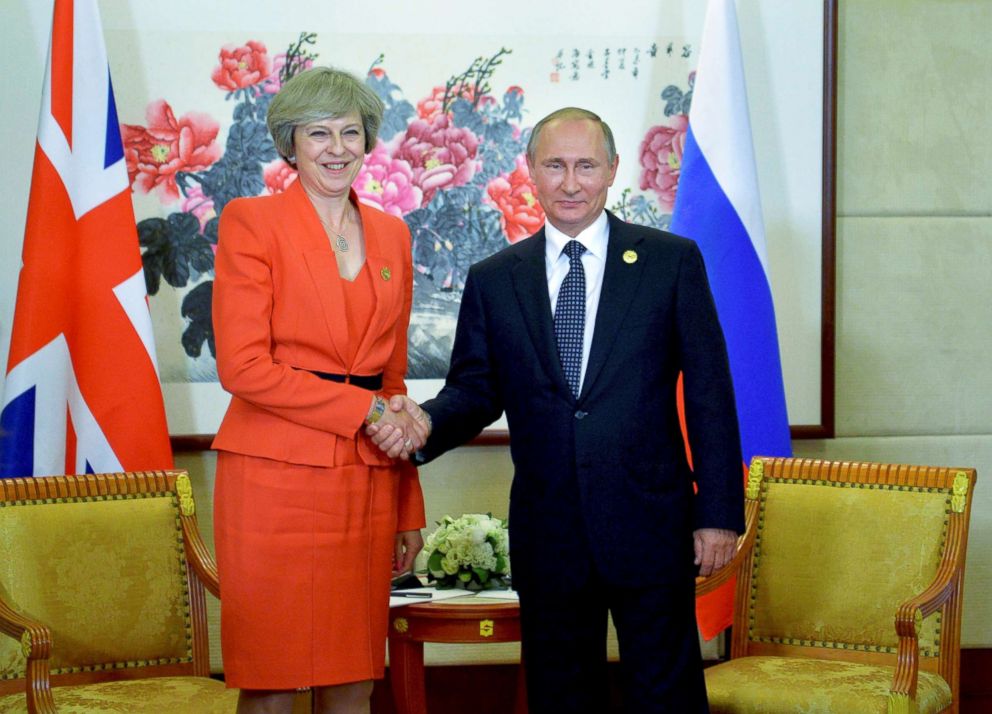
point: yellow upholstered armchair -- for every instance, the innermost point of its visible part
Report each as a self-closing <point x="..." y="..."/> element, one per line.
<point x="102" y="595"/>
<point x="849" y="590"/>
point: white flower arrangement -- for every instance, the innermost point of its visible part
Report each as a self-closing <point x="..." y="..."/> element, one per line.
<point x="471" y="552"/>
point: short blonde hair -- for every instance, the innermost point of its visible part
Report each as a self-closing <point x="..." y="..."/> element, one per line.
<point x="321" y="93"/>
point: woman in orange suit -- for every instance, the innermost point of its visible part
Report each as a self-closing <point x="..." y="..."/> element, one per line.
<point x="311" y="306"/>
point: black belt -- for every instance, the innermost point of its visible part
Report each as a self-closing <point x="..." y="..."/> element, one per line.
<point x="372" y="382"/>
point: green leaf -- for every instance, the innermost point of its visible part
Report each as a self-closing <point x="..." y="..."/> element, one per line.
<point x="434" y="562"/>
<point x="481" y="573"/>
<point x="199" y="327"/>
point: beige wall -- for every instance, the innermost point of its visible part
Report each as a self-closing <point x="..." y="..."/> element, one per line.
<point x="914" y="252"/>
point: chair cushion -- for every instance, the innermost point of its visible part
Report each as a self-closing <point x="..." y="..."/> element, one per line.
<point x="749" y="685"/>
<point x="137" y="696"/>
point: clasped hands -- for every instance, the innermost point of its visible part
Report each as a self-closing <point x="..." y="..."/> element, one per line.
<point x="402" y="429"/>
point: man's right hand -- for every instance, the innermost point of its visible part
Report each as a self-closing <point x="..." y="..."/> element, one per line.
<point x="402" y="429"/>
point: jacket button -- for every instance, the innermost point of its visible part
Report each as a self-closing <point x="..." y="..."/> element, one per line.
<point x="581" y="414"/>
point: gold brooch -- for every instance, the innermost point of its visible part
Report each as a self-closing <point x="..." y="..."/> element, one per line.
<point x="629" y="257"/>
<point x="386" y="273"/>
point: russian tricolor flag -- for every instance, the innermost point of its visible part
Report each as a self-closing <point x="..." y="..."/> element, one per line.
<point x="718" y="206"/>
<point x="81" y="392"/>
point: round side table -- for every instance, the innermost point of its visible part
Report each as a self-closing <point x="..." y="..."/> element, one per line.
<point x="475" y="620"/>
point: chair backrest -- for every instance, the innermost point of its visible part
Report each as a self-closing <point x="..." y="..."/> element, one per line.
<point x="101" y="561"/>
<point x="839" y="546"/>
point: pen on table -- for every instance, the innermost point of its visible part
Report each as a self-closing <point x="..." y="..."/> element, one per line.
<point x="421" y="595"/>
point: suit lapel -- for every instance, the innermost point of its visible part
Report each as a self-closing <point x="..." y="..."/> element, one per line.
<point x="322" y="266"/>
<point x="620" y="281"/>
<point x="384" y="277"/>
<point x="530" y="282"/>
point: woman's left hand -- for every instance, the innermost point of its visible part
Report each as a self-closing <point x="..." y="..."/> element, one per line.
<point x="408" y="544"/>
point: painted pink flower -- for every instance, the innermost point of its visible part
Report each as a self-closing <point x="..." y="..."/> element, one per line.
<point x="661" y="159"/>
<point x="430" y="107"/>
<point x="273" y="83"/>
<point x="242" y="67"/>
<point x="199" y="205"/>
<point x="387" y="183"/>
<point x="278" y="175"/>
<point x="155" y="153"/>
<point x="516" y="198"/>
<point x="440" y="155"/>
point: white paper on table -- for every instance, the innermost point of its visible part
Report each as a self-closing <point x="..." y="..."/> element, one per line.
<point x="435" y="596"/>
<point x="499" y="595"/>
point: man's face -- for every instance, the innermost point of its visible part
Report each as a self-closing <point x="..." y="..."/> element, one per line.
<point x="572" y="173"/>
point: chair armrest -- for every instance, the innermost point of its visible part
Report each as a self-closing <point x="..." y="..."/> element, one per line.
<point x="36" y="643"/>
<point x="199" y="556"/>
<point x="911" y="613"/>
<point x="744" y="544"/>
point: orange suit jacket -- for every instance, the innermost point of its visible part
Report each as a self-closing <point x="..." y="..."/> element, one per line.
<point x="278" y="311"/>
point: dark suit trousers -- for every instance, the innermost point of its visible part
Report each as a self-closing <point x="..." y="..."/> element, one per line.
<point x="564" y="649"/>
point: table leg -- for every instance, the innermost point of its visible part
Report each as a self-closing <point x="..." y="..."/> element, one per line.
<point x="406" y="676"/>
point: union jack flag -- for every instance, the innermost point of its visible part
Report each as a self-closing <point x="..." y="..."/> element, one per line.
<point x="82" y="393"/>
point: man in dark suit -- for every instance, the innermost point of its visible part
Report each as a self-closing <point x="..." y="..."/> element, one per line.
<point x="579" y="334"/>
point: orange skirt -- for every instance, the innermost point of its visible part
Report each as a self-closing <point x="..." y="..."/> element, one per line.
<point x="305" y="558"/>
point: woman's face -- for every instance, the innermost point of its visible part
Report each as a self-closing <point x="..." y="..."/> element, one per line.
<point x="329" y="154"/>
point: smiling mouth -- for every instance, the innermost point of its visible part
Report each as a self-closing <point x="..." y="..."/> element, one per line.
<point x="336" y="166"/>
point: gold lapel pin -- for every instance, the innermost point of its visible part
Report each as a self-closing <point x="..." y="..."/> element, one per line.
<point x="629" y="257"/>
<point x="386" y="273"/>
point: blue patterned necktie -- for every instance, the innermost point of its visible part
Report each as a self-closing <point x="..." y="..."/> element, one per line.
<point x="570" y="316"/>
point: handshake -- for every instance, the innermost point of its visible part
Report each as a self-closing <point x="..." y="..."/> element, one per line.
<point x="401" y="428"/>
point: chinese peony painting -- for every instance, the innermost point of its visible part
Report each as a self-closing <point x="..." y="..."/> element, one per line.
<point x="450" y="160"/>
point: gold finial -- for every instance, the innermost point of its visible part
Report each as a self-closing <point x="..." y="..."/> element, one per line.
<point x="960" y="490"/>
<point x="486" y="628"/>
<point x="26" y="644"/>
<point x="755" y="474"/>
<point x="185" y="491"/>
<point x="629" y="257"/>
<point x="386" y="273"/>
<point x="401" y="625"/>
